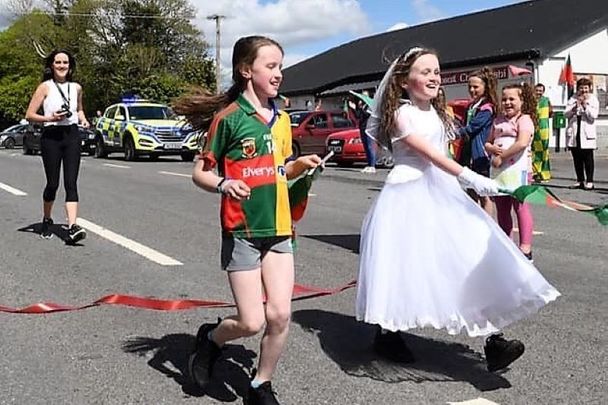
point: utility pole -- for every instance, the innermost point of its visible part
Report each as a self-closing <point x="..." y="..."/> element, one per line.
<point x="217" y="18"/>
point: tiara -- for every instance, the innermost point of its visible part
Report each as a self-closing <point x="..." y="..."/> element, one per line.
<point x="410" y="52"/>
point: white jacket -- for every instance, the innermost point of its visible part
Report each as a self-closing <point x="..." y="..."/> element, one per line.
<point x="588" y="117"/>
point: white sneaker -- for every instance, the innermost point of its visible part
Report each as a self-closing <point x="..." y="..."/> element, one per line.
<point x="369" y="169"/>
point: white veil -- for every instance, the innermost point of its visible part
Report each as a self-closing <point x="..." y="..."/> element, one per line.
<point x="373" y="124"/>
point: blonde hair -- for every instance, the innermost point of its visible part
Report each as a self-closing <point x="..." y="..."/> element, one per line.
<point x="200" y="105"/>
<point x="395" y="93"/>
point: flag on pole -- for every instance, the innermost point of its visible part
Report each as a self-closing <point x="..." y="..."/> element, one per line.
<point x="541" y="195"/>
<point x="566" y="77"/>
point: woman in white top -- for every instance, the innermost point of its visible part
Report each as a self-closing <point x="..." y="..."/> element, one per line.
<point x="581" y="136"/>
<point x="61" y="102"/>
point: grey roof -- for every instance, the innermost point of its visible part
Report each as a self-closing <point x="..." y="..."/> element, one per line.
<point x="526" y="30"/>
<point x="351" y="86"/>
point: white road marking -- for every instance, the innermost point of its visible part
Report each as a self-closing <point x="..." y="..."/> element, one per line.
<point x="533" y="232"/>
<point x="12" y="190"/>
<point x="478" y="401"/>
<point x="117" y="166"/>
<point x="133" y="246"/>
<point x="175" y="174"/>
<point x="312" y="195"/>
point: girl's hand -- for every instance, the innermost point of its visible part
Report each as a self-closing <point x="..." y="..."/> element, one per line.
<point x="498" y="151"/>
<point x="492" y="149"/>
<point x="236" y="189"/>
<point x="497" y="161"/>
<point x="304" y="163"/>
<point x="308" y="161"/>
<point x="85" y="124"/>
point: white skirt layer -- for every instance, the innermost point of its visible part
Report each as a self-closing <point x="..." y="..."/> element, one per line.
<point x="430" y="256"/>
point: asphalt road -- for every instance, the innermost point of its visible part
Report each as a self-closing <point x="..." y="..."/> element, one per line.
<point x="119" y="355"/>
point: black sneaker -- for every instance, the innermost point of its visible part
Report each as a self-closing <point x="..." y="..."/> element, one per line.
<point x="391" y="346"/>
<point x="76" y="233"/>
<point x="205" y="354"/>
<point x="529" y="256"/>
<point x="45" y="229"/>
<point x="262" y="395"/>
<point x="501" y="352"/>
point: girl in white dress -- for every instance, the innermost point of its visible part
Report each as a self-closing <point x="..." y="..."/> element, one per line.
<point x="429" y="255"/>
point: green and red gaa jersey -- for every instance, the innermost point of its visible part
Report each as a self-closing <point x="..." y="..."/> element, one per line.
<point x="244" y="146"/>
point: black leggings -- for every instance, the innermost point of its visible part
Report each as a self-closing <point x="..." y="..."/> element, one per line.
<point x="60" y="144"/>
<point x="583" y="164"/>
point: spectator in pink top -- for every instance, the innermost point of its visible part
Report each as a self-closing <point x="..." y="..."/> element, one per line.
<point x="509" y="146"/>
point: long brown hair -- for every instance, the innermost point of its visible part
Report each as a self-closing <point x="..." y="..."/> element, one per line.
<point x="395" y="93"/>
<point x="528" y="98"/>
<point x="199" y="105"/>
<point x="490" y="83"/>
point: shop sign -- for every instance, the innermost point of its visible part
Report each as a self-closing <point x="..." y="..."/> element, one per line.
<point x="501" y="72"/>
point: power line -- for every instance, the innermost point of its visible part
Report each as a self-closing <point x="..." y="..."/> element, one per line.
<point x="70" y="14"/>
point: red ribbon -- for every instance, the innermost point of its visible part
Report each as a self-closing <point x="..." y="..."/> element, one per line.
<point x="300" y="292"/>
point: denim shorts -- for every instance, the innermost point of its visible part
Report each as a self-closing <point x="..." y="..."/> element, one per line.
<point x="242" y="254"/>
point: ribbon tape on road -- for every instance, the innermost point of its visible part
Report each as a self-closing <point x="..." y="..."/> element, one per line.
<point x="300" y="292"/>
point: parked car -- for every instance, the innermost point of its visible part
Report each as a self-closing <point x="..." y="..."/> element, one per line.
<point x="13" y="136"/>
<point x="31" y="140"/>
<point x="311" y="128"/>
<point x="348" y="148"/>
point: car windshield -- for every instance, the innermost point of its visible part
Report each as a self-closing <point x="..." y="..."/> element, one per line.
<point x="297" y="117"/>
<point x="149" y="113"/>
<point x="13" y="128"/>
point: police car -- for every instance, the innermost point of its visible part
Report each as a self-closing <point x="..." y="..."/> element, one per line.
<point x="140" y="127"/>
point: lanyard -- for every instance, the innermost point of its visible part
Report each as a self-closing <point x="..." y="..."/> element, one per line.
<point x="65" y="99"/>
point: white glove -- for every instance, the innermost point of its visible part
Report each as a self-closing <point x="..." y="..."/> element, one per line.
<point x="481" y="184"/>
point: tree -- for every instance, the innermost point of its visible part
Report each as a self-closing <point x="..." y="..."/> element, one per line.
<point x="145" y="46"/>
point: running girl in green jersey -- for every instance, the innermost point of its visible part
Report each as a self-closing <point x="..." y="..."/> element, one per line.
<point x="248" y="143"/>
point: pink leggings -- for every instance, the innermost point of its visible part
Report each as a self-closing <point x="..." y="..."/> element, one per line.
<point x="524" y="218"/>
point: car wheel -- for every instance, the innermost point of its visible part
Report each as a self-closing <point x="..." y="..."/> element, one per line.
<point x="129" y="149"/>
<point x="9" y="143"/>
<point x="187" y="156"/>
<point x="100" y="148"/>
<point x="295" y="150"/>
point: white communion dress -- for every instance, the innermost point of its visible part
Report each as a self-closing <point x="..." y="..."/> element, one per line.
<point x="430" y="256"/>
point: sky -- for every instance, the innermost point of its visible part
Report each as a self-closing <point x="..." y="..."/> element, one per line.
<point x="308" y="27"/>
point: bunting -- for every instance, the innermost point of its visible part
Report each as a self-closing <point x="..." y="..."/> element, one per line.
<point x="541" y="195"/>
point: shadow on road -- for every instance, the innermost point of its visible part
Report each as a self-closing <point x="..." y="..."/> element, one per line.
<point x="350" y="242"/>
<point x="169" y="355"/>
<point x="58" y="230"/>
<point x="348" y="343"/>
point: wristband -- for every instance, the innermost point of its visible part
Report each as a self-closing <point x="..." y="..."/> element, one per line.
<point x="218" y="188"/>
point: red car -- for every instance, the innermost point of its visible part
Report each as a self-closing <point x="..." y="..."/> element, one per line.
<point x="348" y="148"/>
<point x="310" y="129"/>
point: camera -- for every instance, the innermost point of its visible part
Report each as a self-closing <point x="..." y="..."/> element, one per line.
<point x="65" y="109"/>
